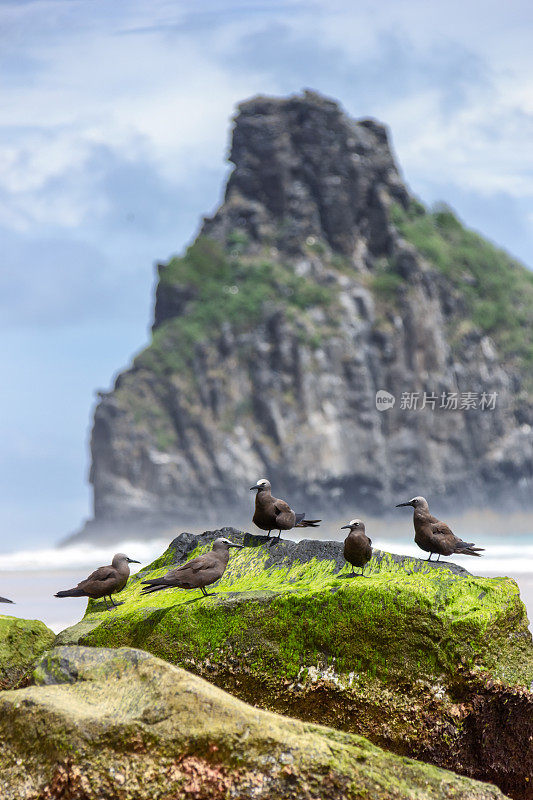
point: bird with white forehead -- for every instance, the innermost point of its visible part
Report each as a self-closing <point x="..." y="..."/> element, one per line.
<point x="357" y="546"/>
<point x="272" y="514"/>
<point x="197" y="573"/>
<point x="435" y="536"/>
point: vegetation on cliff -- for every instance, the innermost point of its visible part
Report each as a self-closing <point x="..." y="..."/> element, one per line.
<point x="495" y="290"/>
<point x="225" y="288"/>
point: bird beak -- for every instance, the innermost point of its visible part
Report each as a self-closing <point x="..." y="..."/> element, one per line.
<point x="232" y="544"/>
<point x="345" y="526"/>
<point x="402" y="504"/>
<point x="253" y="487"/>
<point x="132" y="561"/>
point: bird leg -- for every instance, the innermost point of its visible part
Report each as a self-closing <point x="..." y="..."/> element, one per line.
<point x="206" y="594"/>
<point x="438" y="557"/>
<point x="106" y="603"/>
<point x="429" y="557"/>
<point x="268" y="535"/>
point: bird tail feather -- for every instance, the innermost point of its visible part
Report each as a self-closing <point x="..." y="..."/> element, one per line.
<point x="468" y="549"/>
<point x="153" y="585"/>
<point x="301" y="522"/>
<point x="71" y="593"/>
<point x="5" y="600"/>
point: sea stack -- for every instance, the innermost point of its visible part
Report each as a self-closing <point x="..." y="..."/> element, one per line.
<point x="311" y="289"/>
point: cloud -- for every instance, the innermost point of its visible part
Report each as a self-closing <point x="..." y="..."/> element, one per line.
<point x="146" y="96"/>
<point x="158" y="85"/>
<point x="115" y="127"/>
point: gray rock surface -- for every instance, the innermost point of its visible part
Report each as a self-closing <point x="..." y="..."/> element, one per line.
<point x="284" y="553"/>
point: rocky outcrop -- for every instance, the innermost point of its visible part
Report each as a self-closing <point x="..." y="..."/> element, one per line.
<point x="319" y="282"/>
<point x="122" y="724"/>
<point x="304" y="169"/>
<point x="21" y="642"/>
<point x="421" y="658"/>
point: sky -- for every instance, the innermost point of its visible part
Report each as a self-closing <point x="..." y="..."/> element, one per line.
<point x="114" y="130"/>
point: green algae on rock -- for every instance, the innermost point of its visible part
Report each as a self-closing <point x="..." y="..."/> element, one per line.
<point x="409" y="617"/>
<point x="422" y="658"/>
<point x="124" y="724"/>
<point x="21" y="642"/>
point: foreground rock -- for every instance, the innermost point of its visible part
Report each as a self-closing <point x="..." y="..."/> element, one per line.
<point x="421" y="658"/>
<point x="123" y="724"/>
<point x="21" y="642"/>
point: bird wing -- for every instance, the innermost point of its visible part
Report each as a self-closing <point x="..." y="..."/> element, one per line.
<point x="440" y="528"/>
<point x="206" y="561"/>
<point x="281" y="507"/>
<point x="101" y="574"/>
<point x="196" y="572"/>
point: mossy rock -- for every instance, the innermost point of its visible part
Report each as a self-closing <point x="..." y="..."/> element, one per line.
<point x="420" y="657"/>
<point x="122" y="724"/>
<point x="21" y="642"/>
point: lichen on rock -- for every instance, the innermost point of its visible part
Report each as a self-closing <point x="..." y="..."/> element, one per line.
<point x="123" y="724"/>
<point x="414" y="656"/>
<point x="21" y="642"/>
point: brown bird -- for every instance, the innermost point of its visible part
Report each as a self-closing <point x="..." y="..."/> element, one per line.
<point x="435" y="536"/>
<point x="197" y="573"/>
<point x="272" y="514"/>
<point x="104" y="581"/>
<point x="5" y="600"/>
<point x="357" y="545"/>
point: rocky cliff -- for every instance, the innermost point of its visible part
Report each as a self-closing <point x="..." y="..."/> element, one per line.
<point x="318" y="282"/>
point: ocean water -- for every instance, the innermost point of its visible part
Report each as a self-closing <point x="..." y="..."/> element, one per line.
<point x="31" y="577"/>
